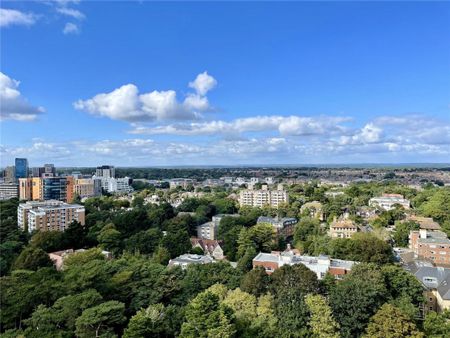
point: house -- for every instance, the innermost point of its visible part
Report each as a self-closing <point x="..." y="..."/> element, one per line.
<point x="58" y="257"/>
<point x="436" y="283"/>
<point x="343" y="228"/>
<point x="314" y="208"/>
<point x="210" y="247"/>
<point x="320" y="265"/>
<point x="284" y="226"/>
<point x="433" y="246"/>
<point x="388" y="201"/>
<point x="187" y="259"/>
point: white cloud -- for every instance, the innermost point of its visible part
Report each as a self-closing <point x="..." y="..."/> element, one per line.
<point x="126" y="103"/>
<point x="285" y="125"/>
<point x="74" y="13"/>
<point x="370" y="133"/>
<point x="13" y="105"/>
<point x="203" y="83"/>
<point x="9" y="17"/>
<point x="71" y="28"/>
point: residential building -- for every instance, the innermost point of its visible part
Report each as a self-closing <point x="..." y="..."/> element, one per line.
<point x="209" y="230"/>
<point x="49" y="215"/>
<point x="263" y="197"/>
<point x="187" y="259"/>
<point x="320" y="265"/>
<point x="436" y="284"/>
<point x="181" y="182"/>
<point x="25" y="189"/>
<point x="105" y="171"/>
<point x="388" y="201"/>
<point x="314" y="209"/>
<point x="21" y="168"/>
<point x="9" y="174"/>
<point x="283" y="226"/>
<point x="54" y="188"/>
<point x="115" y="185"/>
<point x="87" y="187"/>
<point x="210" y="247"/>
<point x="58" y="257"/>
<point x="70" y="187"/>
<point x="37" y="171"/>
<point x="269" y="180"/>
<point x="8" y="190"/>
<point x="433" y="246"/>
<point x="426" y="223"/>
<point x="343" y="228"/>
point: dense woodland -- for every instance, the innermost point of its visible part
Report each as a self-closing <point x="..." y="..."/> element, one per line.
<point x="135" y="294"/>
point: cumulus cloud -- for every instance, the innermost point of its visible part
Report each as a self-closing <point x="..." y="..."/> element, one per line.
<point x="13" y="105"/>
<point x="203" y="83"/>
<point x="370" y="133"/>
<point x="285" y="125"/>
<point x="71" y="28"/>
<point x="10" y="17"/>
<point x="126" y="103"/>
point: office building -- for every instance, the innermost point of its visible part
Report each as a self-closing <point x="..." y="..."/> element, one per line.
<point x="105" y="171"/>
<point x="49" y="170"/>
<point x="264" y="197"/>
<point x="37" y="171"/>
<point x="21" y="168"/>
<point x="49" y="215"/>
<point x="8" y="190"/>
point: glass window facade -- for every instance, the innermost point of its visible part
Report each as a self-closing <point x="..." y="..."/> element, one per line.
<point x="55" y="188"/>
<point x="21" y="168"/>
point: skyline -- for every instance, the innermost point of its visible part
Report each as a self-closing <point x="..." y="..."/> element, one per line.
<point x="186" y="84"/>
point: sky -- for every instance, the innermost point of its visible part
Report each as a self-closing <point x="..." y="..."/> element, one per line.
<point x="141" y="83"/>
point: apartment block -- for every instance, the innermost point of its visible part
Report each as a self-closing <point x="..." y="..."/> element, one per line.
<point x="8" y="190"/>
<point x="283" y="226"/>
<point x="49" y="215"/>
<point x="433" y="246"/>
<point x="263" y="197"/>
<point x="87" y="187"/>
<point x="388" y="201"/>
<point x="105" y="171"/>
<point x="115" y="185"/>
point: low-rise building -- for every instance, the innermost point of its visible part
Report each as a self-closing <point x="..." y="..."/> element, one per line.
<point x="58" y="257"/>
<point x="8" y="191"/>
<point x="283" y="226"/>
<point x="49" y="215"/>
<point x="187" y="259"/>
<point x="433" y="246"/>
<point x="343" y="228"/>
<point x="426" y="223"/>
<point x="320" y="265"/>
<point x="388" y="201"/>
<point x="210" y="247"/>
<point x="314" y="208"/>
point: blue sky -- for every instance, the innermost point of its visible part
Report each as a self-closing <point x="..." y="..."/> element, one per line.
<point x="144" y="83"/>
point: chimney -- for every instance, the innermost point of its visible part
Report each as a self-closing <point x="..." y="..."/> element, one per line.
<point x="423" y="233"/>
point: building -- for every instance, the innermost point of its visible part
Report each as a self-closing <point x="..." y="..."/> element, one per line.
<point x="388" y="201"/>
<point x="187" y="259"/>
<point x="87" y="187"/>
<point x="49" y="170"/>
<point x="54" y="188"/>
<point x="433" y="246"/>
<point x="436" y="284"/>
<point x="181" y="182"/>
<point x="209" y="230"/>
<point x="426" y="223"/>
<point x="263" y="197"/>
<point x="9" y="174"/>
<point x="37" y="171"/>
<point x="8" y="190"/>
<point x="210" y="247"/>
<point x="25" y="189"/>
<point x="314" y="209"/>
<point x="58" y="257"/>
<point x="320" y="265"/>
<point x="105" y="171"/>
<point x="21" y="168"/>
<point x="343" y="228"/>
<point x="115" y="185"/>
<point x="283" y="226"/>
<point x="48" y="215"/>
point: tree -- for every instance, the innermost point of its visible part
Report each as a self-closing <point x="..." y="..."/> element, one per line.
<point x="389" y="321"/>
<point x="261" y="237"/>
<point x="402" y="284"/>
<point x="154" y="321"/>
<point x="47" y="240"/>
<point x="401" y="232"/>
<point x="206" y="317"/>
<point x="75" y="235"/>
<point x="265" y="324"/>
<point x="109" y="238"/>
<point x="255" y="282"/>
<point x="356" y="298"/>
<point x="32" y="259"/>
<point x="100" y="320"/>
<point x="306" y="227"/>
<point x="322" y="322"/>
<point x="294" y="277"/>
<point x="177" y="242"/>
<point x="291" y="312"/>
<point x="144" y="242"/>
<point x="437" y="325"/>
<point x="243" y="305"/>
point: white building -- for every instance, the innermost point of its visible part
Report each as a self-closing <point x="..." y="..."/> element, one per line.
<point x="209" y="230"/>
<point x="105" y="171"/>
<point x="8" y="190"/>
<point x="116" y="185"/>
<point x="49" y="215"/>
<point x="263" y="197"/>
<point x="187" y="259"/>
<point x="388" y="201"/>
